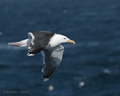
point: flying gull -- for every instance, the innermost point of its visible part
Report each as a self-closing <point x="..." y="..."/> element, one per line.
<point x="49" y="44"/>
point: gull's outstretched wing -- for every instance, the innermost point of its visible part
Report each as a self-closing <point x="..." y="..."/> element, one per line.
<point x="39" y="41"/>
<point x="52" y="59"/>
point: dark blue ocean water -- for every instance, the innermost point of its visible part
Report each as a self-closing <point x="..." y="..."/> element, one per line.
<point x="91" y="67"/>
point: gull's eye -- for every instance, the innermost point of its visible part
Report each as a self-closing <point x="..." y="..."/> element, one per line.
<point x="64" y="38"/>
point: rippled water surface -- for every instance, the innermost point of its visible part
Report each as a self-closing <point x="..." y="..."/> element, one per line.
<point x="91" y="67"/>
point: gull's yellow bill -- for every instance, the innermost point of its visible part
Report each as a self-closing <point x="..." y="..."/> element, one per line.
<point x="71" y="41"/>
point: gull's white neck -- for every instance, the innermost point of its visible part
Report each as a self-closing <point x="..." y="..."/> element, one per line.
<point x="54" y="41"/>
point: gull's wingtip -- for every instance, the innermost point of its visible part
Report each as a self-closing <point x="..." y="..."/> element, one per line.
<point x="10" y="43"/>
<point x="45" y="79"/>
<point x="15" y="44"/>
<point x="28" y="54"/>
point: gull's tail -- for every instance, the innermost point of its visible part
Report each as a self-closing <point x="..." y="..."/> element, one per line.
<point x="23" y="43"/>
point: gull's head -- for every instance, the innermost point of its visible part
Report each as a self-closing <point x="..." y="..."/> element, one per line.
<point x="64" y="39"/>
